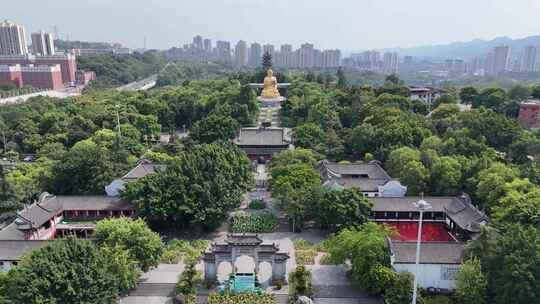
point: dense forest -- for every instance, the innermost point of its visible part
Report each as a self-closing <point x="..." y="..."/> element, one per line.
<point x="80" y="148"/>
<point x="116" y="70"/>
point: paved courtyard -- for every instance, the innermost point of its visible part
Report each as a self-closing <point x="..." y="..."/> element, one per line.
<point x="330" y="282"/>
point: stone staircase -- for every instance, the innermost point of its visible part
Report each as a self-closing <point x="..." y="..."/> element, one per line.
<point x="154" y="289"/>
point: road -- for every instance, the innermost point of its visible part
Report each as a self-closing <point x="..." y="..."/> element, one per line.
<point x="141" y="85"/>
<point x="144" y="84"/>
<point x="63" y="93"/>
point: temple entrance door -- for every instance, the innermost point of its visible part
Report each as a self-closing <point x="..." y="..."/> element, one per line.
<point x="265" y="273"/>
<point x="244" y="264"/>
<point x="224" y="270"/>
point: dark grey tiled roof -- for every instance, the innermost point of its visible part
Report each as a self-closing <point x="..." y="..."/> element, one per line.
<point x="363" y="184"/>
<point x="459" y="209"/>
<point x="142" y="170"/>
<point x="263" y="150"/>
<point x="369" y="176"/>
<point x="11" y="233"/>
<point x="14" y="250"/>
<point x="261" y="137"/>
<point x="38" y="213"/>
<point x="239" y="239"/>
<point x="465" y="215"/>
<point x="49" y="206"/>
<point x="430" y="253"/>
<point x="405" y="204"/>
<point x="93" y="202"/>
<point x="372" y="170"/>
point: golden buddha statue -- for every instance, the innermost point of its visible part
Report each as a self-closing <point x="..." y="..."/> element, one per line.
<point x="270" y="89"/>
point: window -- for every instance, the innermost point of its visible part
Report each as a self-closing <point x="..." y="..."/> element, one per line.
<point x="359" y="176"/>
<point x="449" y="273"/>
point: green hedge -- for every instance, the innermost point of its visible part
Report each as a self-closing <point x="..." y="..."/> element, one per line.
<point x="254" y="223"/>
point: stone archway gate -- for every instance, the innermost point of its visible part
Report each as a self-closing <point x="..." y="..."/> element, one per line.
<point x="244" y="244"/>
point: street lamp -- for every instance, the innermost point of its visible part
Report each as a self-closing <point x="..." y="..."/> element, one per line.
<point x="422" y="206"/>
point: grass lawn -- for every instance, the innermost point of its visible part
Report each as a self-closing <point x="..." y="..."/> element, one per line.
<point x="438" y="300"/>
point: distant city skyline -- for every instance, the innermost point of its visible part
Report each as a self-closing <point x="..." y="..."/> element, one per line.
<point x="346" y="24"/>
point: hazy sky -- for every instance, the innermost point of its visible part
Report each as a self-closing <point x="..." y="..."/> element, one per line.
<point x="345" y="24"/>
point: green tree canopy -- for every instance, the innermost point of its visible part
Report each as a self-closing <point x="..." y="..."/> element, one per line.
<point x="144" y="246"/>
<point x="308" y="136"/>
<point x="338" y="209"/>
<point x="79" y="272"/>
<point x="214" y="128"/>
<point x="468" y="95"/>
<point x="197" y="189"/>
<point x="291" y="157"/>
<point x="293" y="185"/>
<point x="472" y="284"/>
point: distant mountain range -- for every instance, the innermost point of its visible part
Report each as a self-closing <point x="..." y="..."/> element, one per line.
<point x="467" y="50"/>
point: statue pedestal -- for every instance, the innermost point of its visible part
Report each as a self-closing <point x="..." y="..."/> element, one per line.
<point x="271" y="102"/>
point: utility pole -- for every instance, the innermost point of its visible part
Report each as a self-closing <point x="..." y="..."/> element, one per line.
<point x="422" y="206"/>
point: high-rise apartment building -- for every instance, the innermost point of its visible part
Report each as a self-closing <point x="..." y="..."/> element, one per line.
<point x="501" y="59"/>
<point x="223" y="49"/>
<point x="43" y="44"/>
<point x="285" y="56"/>
<point x="207" y="46"/>
<point x="255" y="54"/>
<point x="390" y="63"/>
<point x="306" y="56"/>
<point x="528" y="59"/>
<point x="241" y="53"/>
<point x="12" y="39"/>
<point x="368" y="60"/>
<point x="268" y="48"/>
<point x="331" y="58"/>
<point x="198" y="43"/>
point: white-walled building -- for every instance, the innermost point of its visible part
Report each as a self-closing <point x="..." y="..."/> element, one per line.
<point x="12" y="39"/>
<point x="439" y="262"/>
<point x="43" y="44"/>
<point x="11" y="251"/>
<point x="370" y="178"/>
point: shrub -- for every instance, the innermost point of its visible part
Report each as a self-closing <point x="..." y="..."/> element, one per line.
<point x="327" y="260"/>
<point x="400" y="290"/>
<point x="305" y="252"/>
<point x="188" y="283"/>
<point x="300" y="283"/>
<point x="472" y="284"/>
<point x="380" y="278"/>
<point x="178" y="250"/>
<point x="306" y="257"/>
<point x="253" y="223"/>
<point x="438" y="300"/>
<point x="257" y="204"/>
<point x="301" y="244"/>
